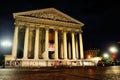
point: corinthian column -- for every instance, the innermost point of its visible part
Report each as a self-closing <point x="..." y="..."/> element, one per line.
<point x="73" y="46"/>
<point x="36" y="43"/>
<point x="26" y="43"/>
<point x="65" y="45"/>
<point x="15" y="42"/>
<point x="56" y="44"/>
<point x="77" y="51"/>
<point x="81" y="46"/>
<point x="46" y="44"/>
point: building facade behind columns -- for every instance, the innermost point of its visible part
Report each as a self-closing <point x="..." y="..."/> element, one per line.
<point x="44" y="38"/>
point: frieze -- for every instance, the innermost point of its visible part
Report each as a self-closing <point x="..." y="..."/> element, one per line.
<point x="28" y="24"/>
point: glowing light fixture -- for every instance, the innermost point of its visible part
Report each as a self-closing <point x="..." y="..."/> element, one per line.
<point x="89" y="56"/>
<point x="113" y="49"/>
<point x="6" y="43"/>
<point x="106" y="55"/>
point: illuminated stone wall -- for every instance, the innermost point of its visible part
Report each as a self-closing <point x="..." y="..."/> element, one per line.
<point x="50" y="38"/>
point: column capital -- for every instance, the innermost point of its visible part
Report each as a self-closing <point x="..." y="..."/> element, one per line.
<point x="55" y="29"/>
<point x="16" y="26"/>
<point x="65" y="30"/>
<point x="47" y="28"/>
<point x="72" y="31"/>
<point x="80" y="31"/>
<point x="36" y="27"/>
<point x="15" y="23"/>
<point x="27" y="25"/>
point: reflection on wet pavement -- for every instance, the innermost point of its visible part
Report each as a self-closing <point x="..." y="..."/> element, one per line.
<point x="79" y="73"/>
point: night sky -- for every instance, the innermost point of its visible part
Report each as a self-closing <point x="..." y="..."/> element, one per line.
<point x="101" y="18"/>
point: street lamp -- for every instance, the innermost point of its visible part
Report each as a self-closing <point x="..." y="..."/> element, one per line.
<point x="106" y="55"/>
<point x="5" y="46"/>
<point x="6" y="43"/>
<point x="113" y="49"/>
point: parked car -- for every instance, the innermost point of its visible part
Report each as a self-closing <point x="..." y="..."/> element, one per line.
<point x="101" y="63"/>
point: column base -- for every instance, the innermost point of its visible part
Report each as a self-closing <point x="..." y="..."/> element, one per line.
<point x="56" y="59"/>
<point x="65" y="59"/>
<point x="24" y="58"/>
<point x="36" y="58"/>
<point x="74" y="59"/>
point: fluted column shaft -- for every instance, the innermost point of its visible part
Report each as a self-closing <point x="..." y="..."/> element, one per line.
<point x="65" y="45"/>
<point x="26" y="43"/>
<point x="81" y="46"/>
<point x="46" y="44"/>
<point x="36" y="43"/>
<point x="73" y="46"/>
<point x="77" y="51"/>
<point x="56" y="44"/>
<point x="15" y="42"/>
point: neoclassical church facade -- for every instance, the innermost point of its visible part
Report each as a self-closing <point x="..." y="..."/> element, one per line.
<point x="44" y="38"/>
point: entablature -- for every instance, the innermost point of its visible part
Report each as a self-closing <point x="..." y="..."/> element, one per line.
<point x="37" y="25"/>
<point x="47" y="22"/>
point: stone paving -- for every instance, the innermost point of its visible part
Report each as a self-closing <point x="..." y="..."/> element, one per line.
<point x="78" y="73"/>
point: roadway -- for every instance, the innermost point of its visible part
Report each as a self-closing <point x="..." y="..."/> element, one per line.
<point x="74" y="73"/>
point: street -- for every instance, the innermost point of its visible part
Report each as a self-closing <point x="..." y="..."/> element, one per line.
<point x="74" y="73"/>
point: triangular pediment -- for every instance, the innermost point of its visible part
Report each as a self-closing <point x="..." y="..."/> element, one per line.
<point x="49" y="14"/>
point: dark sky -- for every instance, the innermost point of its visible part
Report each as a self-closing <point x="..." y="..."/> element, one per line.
<point x="101" y="18"/>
